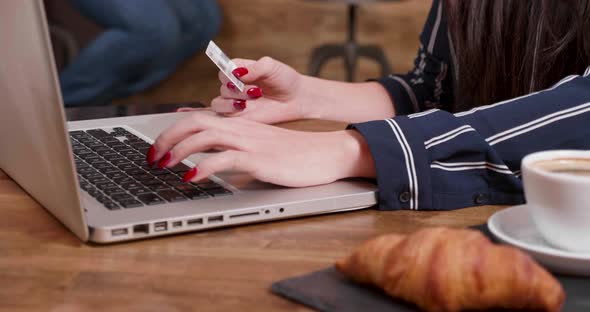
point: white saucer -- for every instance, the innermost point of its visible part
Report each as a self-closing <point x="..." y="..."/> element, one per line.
<point x="514" y="226"/>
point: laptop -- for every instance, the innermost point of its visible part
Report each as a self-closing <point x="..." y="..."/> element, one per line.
<point x="92" y="175"/>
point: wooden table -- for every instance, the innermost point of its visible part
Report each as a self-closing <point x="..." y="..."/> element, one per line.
<point x="44" y="267"/>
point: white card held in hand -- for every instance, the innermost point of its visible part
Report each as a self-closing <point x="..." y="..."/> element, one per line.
<point x="224" y="63"/>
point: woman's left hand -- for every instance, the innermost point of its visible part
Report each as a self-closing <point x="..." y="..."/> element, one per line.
<point x="270" y="154"/>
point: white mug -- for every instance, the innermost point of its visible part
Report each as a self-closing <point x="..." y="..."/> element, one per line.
<point x="559" y="203"/>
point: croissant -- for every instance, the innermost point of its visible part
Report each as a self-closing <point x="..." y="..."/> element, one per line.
<point x="444" y="269"/>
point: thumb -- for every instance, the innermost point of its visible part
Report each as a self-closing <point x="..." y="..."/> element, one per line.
<point x="263" y="69"/>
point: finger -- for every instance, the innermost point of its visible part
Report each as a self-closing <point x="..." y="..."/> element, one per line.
<point x="177" y="132"/>
<point x="202" y="141"/>
<point x="222" y="78"/>
<point x="186" y="109"/>
<point x="192" y="109"/>
<point x="222" y="105"/>
<point x="262" y="69"/>
<point x="230" y="91"/>
<point x="239" y="63"/>
<point x="228" y="160"/>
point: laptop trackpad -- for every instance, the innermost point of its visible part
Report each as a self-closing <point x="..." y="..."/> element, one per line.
<point x="152" y="125"/>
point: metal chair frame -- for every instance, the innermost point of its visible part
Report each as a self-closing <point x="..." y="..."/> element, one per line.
<point x="350" y="51"/>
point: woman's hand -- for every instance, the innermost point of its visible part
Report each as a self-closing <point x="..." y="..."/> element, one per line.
<point x="275" y="92"/>
<point x="271" y="93"/>
<point x="270" y="154"/>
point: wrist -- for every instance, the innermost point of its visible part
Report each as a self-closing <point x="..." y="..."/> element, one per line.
<point x="343" y="101"/>
<point x="354" y="155"/>
<point x="310" y="97"/>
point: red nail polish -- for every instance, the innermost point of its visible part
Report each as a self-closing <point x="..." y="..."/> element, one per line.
<point x="231" y="86"/>
<point x="164" y="161"/>
<point x="254" y="93"/>
<point x="150" y="156"/>
<point x="189" y="175"/>
<point x="240" y="71"/>
<point x="240" y="104"/>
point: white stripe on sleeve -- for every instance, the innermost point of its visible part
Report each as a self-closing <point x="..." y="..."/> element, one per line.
<point x="463" y="166"/>
<point x="435" y="28"/>
<point x="473" y="110"/>
<point x="424" y="113"/>
<point x="538" y="123"/>
<point x="409" y="157"/>
<point x="409" y="90"/>
<point x="447" y="136"/>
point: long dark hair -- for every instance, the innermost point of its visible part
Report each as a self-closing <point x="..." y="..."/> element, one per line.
<point x="508" y="48"/>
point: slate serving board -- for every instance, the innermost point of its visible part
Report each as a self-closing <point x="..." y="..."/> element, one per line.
<point x="328" y="290"/>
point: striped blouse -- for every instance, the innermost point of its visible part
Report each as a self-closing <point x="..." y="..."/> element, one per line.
<point x="429" y="158"/>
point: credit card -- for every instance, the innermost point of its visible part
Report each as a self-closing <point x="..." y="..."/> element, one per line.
<point x="224" y="64"/>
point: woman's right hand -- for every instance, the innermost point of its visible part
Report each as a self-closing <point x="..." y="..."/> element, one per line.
<point x="272" y="92"/>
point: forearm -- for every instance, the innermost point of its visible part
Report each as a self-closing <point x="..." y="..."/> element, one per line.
<point x="342" y="101"/>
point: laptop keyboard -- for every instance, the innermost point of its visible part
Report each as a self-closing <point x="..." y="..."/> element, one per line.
<point x="112" y="168"/>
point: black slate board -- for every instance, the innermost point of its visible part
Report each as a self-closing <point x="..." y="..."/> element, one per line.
<point x="328" y="290"/>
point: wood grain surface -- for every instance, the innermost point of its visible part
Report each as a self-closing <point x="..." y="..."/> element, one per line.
<point x="44" y="267"/>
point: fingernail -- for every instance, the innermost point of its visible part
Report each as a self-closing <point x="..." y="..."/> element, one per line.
<point x="164" y="161"/>
<point x="240" y="71"/>
<point x="254" y="93"/>
<point x="189" y="175"/>
<point x="231" y="86"/>
<point x="240" y="104"/>
<point x="150" y="156"/>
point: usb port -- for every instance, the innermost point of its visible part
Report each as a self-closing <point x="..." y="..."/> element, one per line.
<point x="119" y="232"/>
<point x="215" y="219"/>
<point x="141" y="229"/>
<point x="177" y="224"/>
<point x="160" y="226"/>
<point x="194" y="221"/>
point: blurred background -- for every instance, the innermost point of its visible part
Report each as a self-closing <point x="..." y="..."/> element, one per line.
<point x="287" y="30"/>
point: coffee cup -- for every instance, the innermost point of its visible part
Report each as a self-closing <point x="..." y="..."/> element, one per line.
<point x="557" y="191"/>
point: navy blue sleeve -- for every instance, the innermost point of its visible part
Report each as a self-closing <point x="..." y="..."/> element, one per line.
<point x="430" y="84"/>
<point x="438" y="160"/>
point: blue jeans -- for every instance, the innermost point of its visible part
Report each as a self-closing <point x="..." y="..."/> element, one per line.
<point x="143" y="42"/>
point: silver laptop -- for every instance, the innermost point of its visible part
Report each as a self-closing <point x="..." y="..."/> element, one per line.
<point x="92" y="175"/>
